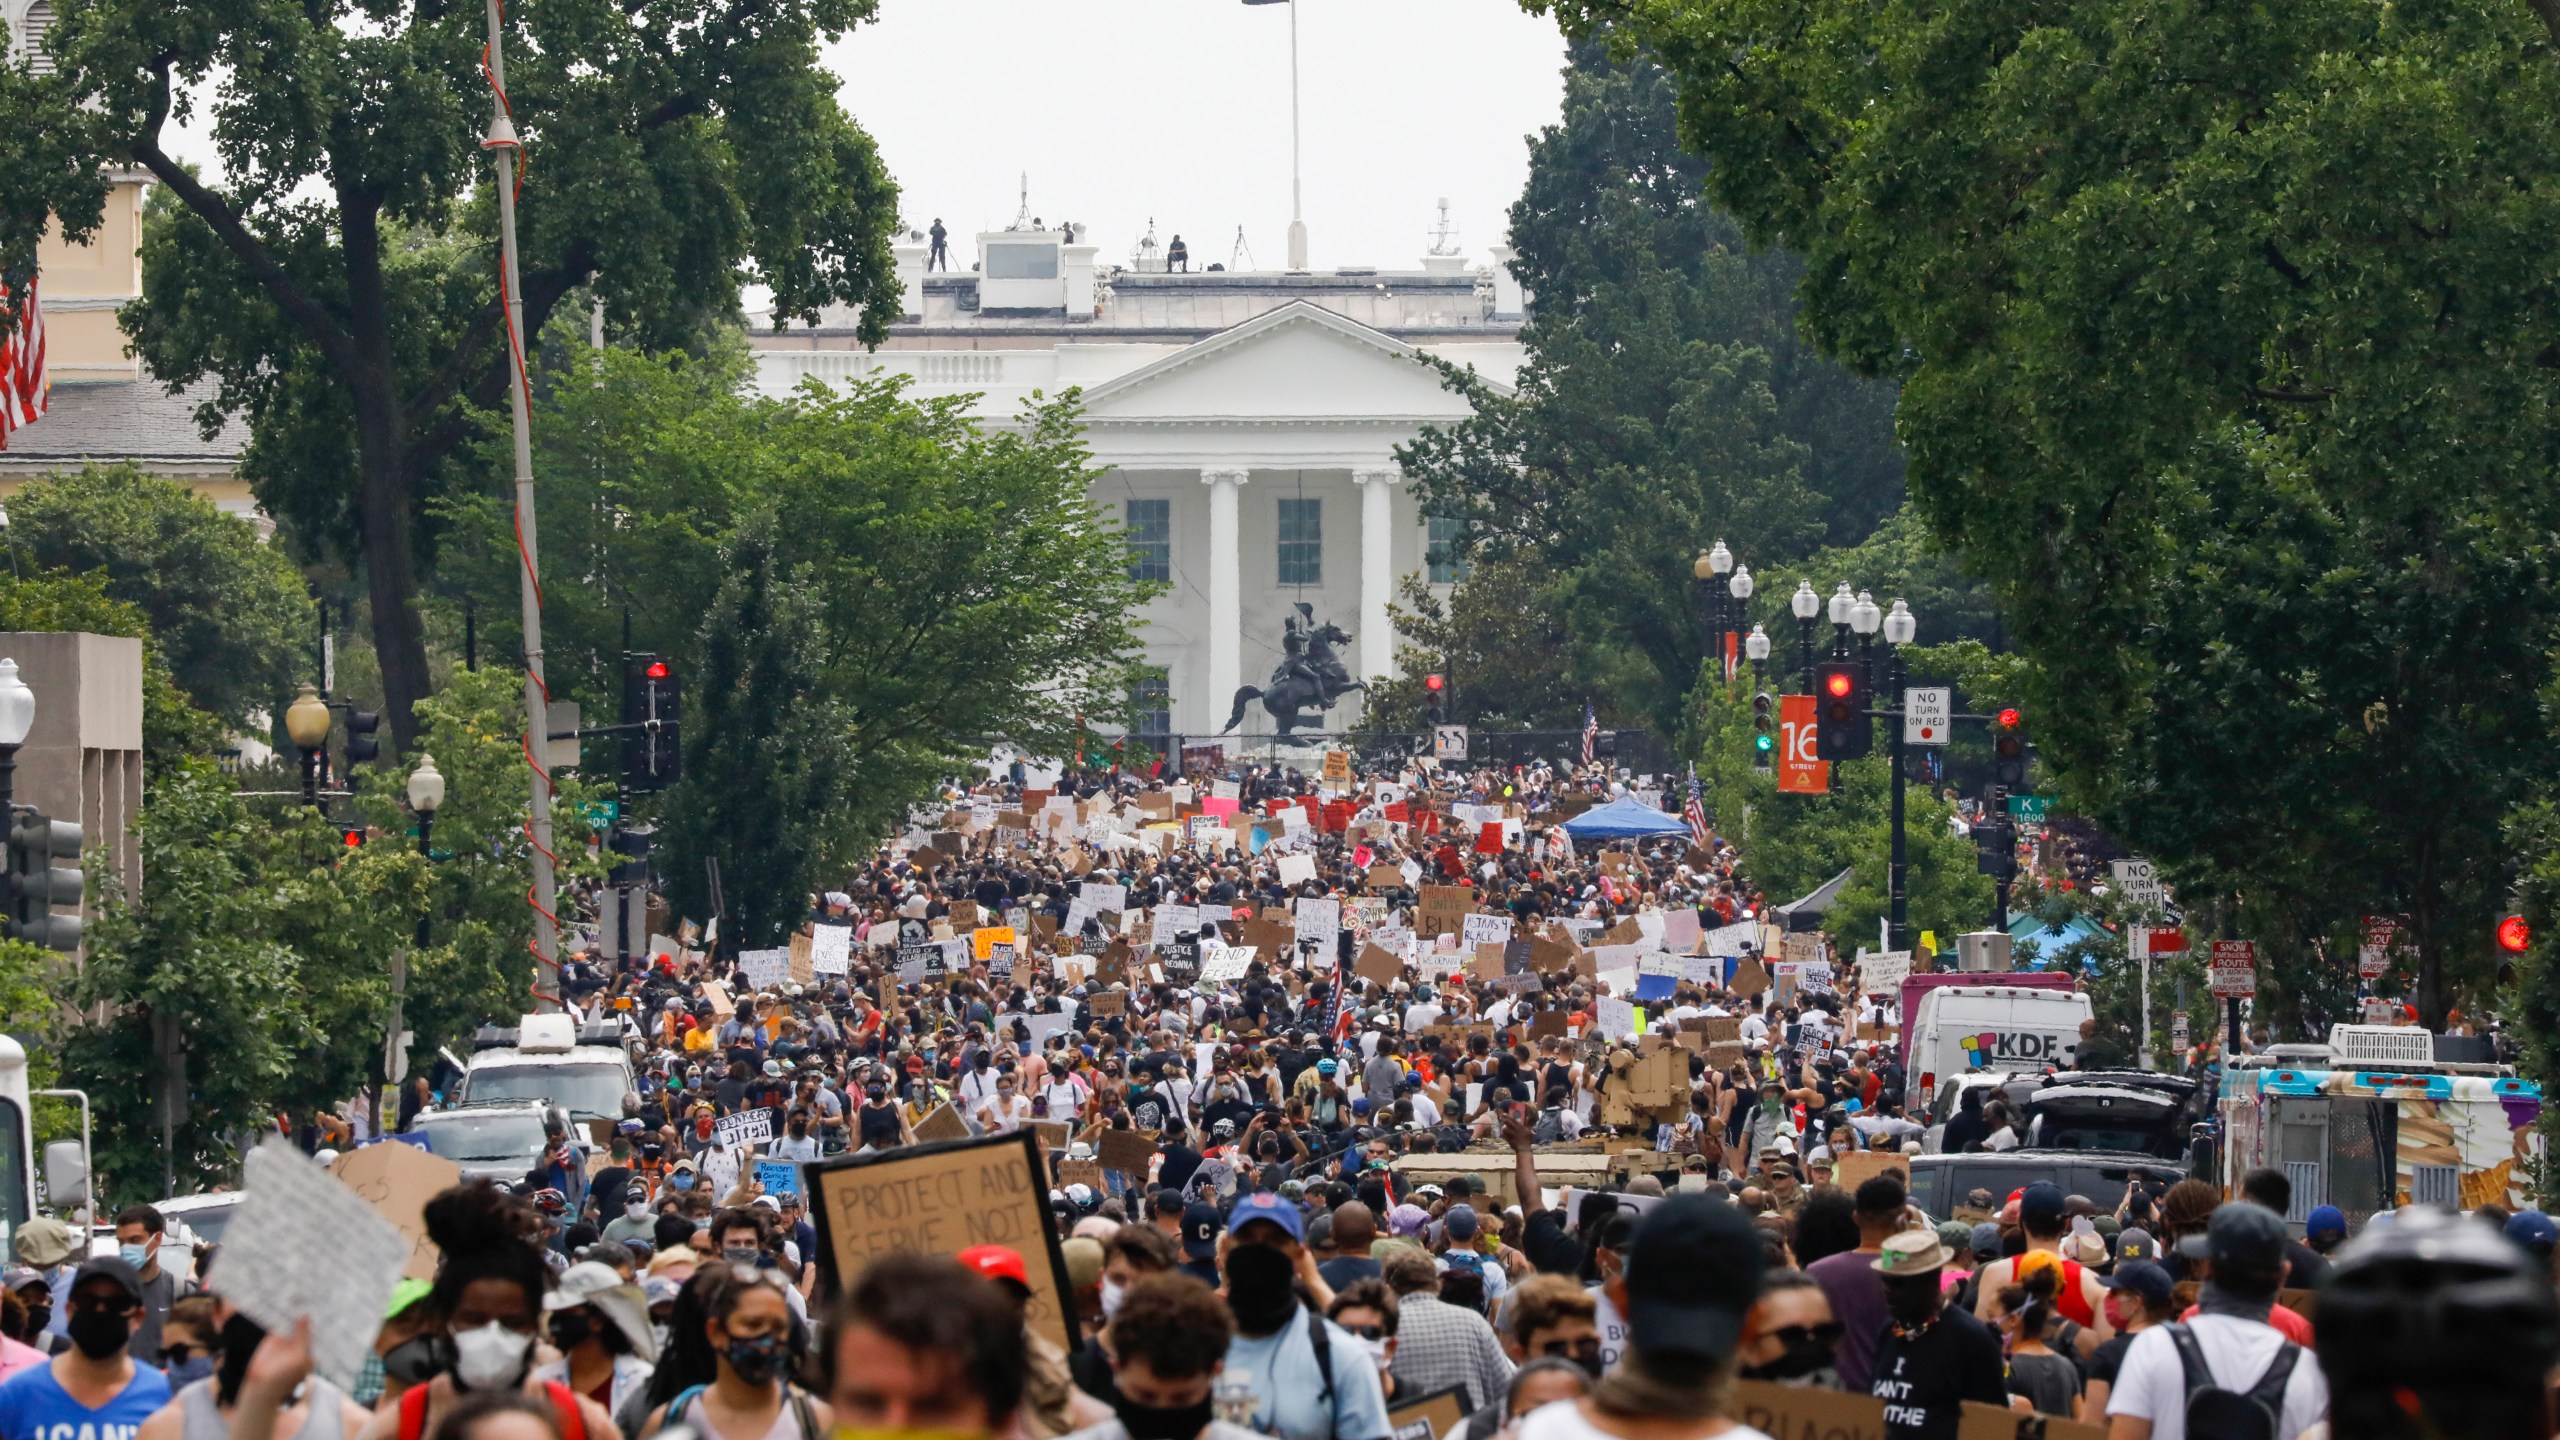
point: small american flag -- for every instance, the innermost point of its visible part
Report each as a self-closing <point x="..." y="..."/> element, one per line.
<point x="25" y="383"/>
<point x="1590" y="731"/>
<point x="1696" y="809"/>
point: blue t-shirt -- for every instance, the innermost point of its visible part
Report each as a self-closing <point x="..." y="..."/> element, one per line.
<point x="1289" y="1389"/>
<point x="34" y="1406"/>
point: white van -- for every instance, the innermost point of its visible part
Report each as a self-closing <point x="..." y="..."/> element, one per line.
<point x="1964" y="1030"/>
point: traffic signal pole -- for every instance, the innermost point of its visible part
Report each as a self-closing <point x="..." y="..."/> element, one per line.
<point x="1898" y="871"/>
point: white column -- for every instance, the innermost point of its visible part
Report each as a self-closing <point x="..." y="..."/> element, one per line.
<point x="1226" y="592"/>
<point x="1377" y="568"/>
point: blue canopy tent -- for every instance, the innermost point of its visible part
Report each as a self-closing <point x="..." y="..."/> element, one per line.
<point x="1625" y="818"/>
<point x="2048" y="941"/>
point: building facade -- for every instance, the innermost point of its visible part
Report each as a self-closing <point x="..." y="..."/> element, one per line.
<point x="1244" y="424"/>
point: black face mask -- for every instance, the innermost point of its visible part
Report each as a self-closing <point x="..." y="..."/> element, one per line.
<point x="1913" y="1302"/>
<point x="570" y="1328"/>
<point x="240" y="1337"/>
<point x="38" y="1317"/>
<point x="414" y="1361"/>
<point x="1259" y="1288"/>
<point x="1149" y="1422"/>
<point x="99" y="1334"/>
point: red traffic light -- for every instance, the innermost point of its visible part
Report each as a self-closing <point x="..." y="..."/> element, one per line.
<point x="1432" y="683"/>
<point x="353" y="838"/>
<point x="2514" y="936"/>
<point x="1838" y="685"/>
<point x="657" y="670"/>
<point x="2009" y="718"/>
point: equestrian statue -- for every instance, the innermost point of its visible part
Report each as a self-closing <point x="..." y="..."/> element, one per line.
<point x="1309" y="673"/>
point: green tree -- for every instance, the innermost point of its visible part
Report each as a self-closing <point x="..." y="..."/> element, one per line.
<point x="944" y="587"/>
<point x="227" y="611"/>
<point x="1500" y="640"/>
<point x="2224" y="345"/>
<point x="1667" y="400"/>
<point x="339" y="280"/>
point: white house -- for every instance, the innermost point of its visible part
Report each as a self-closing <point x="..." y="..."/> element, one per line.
<point x="1245" y="421"/>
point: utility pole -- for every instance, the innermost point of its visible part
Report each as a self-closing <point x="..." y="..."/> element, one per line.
<point x="503" y="145"/>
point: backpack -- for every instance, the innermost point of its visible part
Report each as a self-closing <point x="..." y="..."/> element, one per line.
<point x="2214" y="1413"/>
<point x="1550" y="1127"/>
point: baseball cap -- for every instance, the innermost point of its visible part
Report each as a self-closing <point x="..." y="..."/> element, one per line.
<point x="2534" y="1231"/>
<point x="2137" y="1244"/>
<point x="997" y="1262"/>
<point x="2324" y="1220"/>
<point x="2241" y="1237"/>
<point x="2142" y="1278"/>
<point x="2040" y="1206"/>
<point x="1263" y="1205"/>
<point x="1200" y="1227"/>
<point x="110" y="1267"/>
<point x="1692" y="1273"/>
<point x="1461" y="1222"/>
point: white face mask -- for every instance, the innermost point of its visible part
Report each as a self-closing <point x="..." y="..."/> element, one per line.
<point x="490" y="1357"/>
<point x="1112" y="1294"/>
<point x="1377" y="1352"/>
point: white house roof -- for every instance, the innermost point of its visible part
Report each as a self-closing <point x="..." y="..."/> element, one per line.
<point x="1300" y="362"/>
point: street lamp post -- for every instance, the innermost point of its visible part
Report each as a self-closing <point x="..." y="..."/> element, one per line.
<point x="17" y="717"/>
<point x="1807" y="605"/>
<point x="1756" y="646"/>
<point x="426" y="796"/>
<point x="306" y="723"/>
<point x="1864" y="617"/>
<point x="1711" y="569"/>
<point x="1740" y="586"/>
<point x="1899" y="627"/>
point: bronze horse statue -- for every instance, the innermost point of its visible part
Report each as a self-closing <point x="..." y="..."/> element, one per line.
<point x="1309" y="674"/>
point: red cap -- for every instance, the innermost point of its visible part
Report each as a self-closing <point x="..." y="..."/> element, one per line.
<point x="996" y="1262"/>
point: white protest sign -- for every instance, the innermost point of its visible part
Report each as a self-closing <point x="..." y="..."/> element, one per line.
<point x="1173" y="920"/>
<point x="1882" y="973"/>
<point x="1479" y="929"/>
<point x="304" y="1246"/>
<point x="1096" y="896"/>
<point x="747" y="1127"/>
<point x="1729" y="940"/>
<point x="1615" y="1018"/>
<point x="1925" y="714"/>
<point x="1680" y="929"/>
<point x="1297" y="869"/>
<point x="765" y="969"/>
<point x="1412" y="872"/>
<point x="830" y="949"/>
<point x="1228" y="962"/>
<point x="1044" y="1026"/>
<point x="1319" y="922"/>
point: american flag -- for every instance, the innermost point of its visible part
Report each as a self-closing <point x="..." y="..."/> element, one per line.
<point x="1696" y="809"/>
<point x="25" y="385"/>
<point x="1590" y="731"/>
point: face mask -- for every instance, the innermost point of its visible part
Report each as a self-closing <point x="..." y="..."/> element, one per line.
<point x="39" y="1317"/>
<point x="1803" y="1356"/>
<point x="1377" y="1352"/>
<point x="191" y="1370"/>
<point x="413" y="1361"/>
<point x="240" y="1340"/>
<point x="1112" y="1294"/>
<point x="744" y="1256"/>
<point x="1258" y="1288"/>
<point x="681" y="1180"/>
<point x="570" y="1328"/>
<point x="637" y="1209"/>
<point x="137" y="1256"/>
<point x="1149" y="1422"/>
<point x="661" y="1332"/>
<point x="97" y="1333"/>
<point x="490" y="1357"/>
<point x="759" y="1359"/>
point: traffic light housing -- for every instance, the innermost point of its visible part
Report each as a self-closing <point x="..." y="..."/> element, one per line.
<point x="361" y="727"/>
<point x="633" y="844"/>
<point x="1764" y="729"/>
<point x="36" y="885"/>
<point x="2009" y="748"/>
<point x="351" y="837"/>
<point x="1435" y="693"/>
<point x="1841" y="730"/>
<point x="652" y="700"/>
<point x="1995" y="844"/>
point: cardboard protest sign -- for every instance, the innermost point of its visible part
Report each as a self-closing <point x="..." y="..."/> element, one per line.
<point x="1775" y="1409"/>
<point x="1378" y="965"/>
<point x="397" y="1181"/>
<point x="1857" y="1167"/>
<point x="942" y="1123"/>
<point x="803" y="960"/>
<point x="941" y="1199"/>
<point x="1750" y="977"/>
<point x="1427" y="1417"/>
<point x="1127" y="1151"/>
<point x="722" y="1007"/>
<point x="303" y="1246"/>
<point x="1443" y="909"/>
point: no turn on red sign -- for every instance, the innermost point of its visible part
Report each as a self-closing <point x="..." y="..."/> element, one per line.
<point x="2235" y="969"/>
<point x="1925" y="712"/>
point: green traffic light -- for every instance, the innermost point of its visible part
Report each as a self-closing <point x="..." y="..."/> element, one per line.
<point x="1761" y="742"/>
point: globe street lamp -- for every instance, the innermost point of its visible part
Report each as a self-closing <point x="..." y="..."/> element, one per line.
<point x="1842" y="602"/>
<point x="306" y="723"/>
<point x="17" y="717"/>
<point x="1898" y="627"/>
<point x="1864" y="618"/>
<point x="1807" y="605"/>
<point x="426" y="797"/>
<point x="1756" y="646"/>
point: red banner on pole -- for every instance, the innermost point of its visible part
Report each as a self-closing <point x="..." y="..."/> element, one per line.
<point x="1799" y="773"/>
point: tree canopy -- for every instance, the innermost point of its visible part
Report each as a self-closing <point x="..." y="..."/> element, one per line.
<point x="338" y="278"/>
<point x="2224" y="342"/>
<point x="1667" y="401"/>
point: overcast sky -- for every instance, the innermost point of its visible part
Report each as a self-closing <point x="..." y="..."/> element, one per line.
<point x="1179" y="109"/>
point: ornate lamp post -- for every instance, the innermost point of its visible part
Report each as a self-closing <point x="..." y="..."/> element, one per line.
<point x="306" y="723"/>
